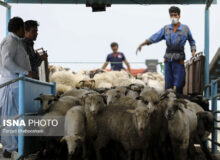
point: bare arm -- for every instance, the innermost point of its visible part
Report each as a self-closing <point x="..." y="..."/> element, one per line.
<point x="128" y="66"/>
<point x="141" y="45"/>
<point x="105" y="65"/>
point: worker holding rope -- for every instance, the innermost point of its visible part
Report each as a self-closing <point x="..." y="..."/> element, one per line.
<point x="176" y="35"/>
<point x="13" y="61"/>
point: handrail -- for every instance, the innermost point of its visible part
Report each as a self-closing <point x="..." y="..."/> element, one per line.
<point x="27" y="79"/>
<point x="11" y="81"/>
<point x="216" y="81"/>
<point x="38" y="82"/>
<point x="4" y="4"/>
<point x="214" y="100"/>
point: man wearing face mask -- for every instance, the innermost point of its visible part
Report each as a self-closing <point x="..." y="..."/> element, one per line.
<point x="176" y="35"/>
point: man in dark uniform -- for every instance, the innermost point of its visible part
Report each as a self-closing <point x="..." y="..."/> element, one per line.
<point x="31" y="33"/>
<point x="116" y="59"/>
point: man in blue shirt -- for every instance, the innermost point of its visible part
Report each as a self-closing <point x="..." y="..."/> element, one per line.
<point x="176" y="35"/>
<point x="116" y="59"/>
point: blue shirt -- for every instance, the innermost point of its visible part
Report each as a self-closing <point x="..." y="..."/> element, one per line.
<point x="116" y="61"/>
<point x="175" y="41"/>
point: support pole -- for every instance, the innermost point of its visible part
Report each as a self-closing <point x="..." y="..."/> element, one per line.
<point x="21" y="112"/>
<point x="206" y="50"/>
<point x="8" y="13"/>
<point x="8" y="17"/>
<point x="214" y="98"/>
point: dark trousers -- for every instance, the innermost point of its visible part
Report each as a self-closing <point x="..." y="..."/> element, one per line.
<point x="175" y="76"/>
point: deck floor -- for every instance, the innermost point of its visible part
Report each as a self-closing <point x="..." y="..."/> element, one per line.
<point x="1" y="157"/>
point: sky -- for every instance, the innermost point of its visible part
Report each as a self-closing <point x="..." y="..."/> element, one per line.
<point x="73" y="33"/>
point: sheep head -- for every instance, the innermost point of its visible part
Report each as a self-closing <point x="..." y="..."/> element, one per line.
<point x="72" y="143"/>
<point x="172" y="108"/>
<point x="141" y="118"/>
<point x="94" y="103"/>
<point x="149" y="97"/>
<point x="115" y="94"/>
<point x="46" y="101"/>
<point x="205" y="124"/>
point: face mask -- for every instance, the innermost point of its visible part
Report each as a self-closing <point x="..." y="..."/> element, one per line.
<point x="174" y="20"/>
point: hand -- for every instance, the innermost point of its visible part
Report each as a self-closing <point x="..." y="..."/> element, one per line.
<point x="139" y="49"/>
<point x="193" y="53"/>
<point x="44" y="56"/>
<point x="32" y="74"/>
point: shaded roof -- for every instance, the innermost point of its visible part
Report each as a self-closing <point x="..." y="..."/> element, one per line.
<point x="112" y="1"/>
<point x="214" y="67"/>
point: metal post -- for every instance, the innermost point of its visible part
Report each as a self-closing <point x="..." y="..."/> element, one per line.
<point x="21" y="112"/>
<point x="8" y="17"/>
<point x="214" y="91"/>
<point x="8" y="13"/>
<point x="206" y="50"/>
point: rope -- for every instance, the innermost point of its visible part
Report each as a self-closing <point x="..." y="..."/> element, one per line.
<point x="11" y="81"/>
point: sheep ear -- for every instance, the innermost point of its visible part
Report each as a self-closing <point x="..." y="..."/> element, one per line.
<point x="176" y="107"/>
<point x="56" y="98"/>
<point x="62" y="139"/>
<point x="126" y="92"/>
<point x="139" y="98"/>
<point x="104" y="98"/>
<point x="38" y="98"/>
<point x="130" y="111"/>
<point x="83" y="100"/>
<point x="200" y="113"/>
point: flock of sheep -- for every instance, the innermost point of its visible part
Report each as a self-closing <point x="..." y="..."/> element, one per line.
<point x="66" y="79"/>
<point x="112" y="116"/>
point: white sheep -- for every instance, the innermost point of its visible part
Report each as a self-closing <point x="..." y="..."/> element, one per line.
<point x="62" y="88"/>
<point x="64" y="77"/>
<point x="61" y="105"/>
<point x="74" y="129"/>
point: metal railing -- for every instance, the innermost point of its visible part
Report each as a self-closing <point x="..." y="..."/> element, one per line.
<point x="214" y="100"/>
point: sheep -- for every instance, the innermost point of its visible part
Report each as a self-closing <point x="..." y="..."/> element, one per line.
<point x="94" y="72"/>
<point x="136" y="87"/>
<point x="116" y="93"/>
<point x="149" y="95"/>
<point x="125" y="101"/>
<point x="87" y="84"/>
<point x="74" y="129"/>
<point x="81" y="76"/>
<point x="182" y="124"/>
<point x="60" y="105"/>
<point x="62" y="88"/>
<point x="154" y="80"/>
<point x="186" y="126"/>
<point x="93" y="102"/>
<point x="46" y="100"/>
<point x="64" y="77"/>
<point x="76" y="92"/>
<point x="132" y="131"/>
<point x="205" y="126"/>
<point x="103" y="85"/>
<point x="53" y="69"/>
<point x="113" y="78"/>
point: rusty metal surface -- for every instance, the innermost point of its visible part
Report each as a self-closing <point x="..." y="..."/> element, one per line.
<point x="195" y="75"/>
